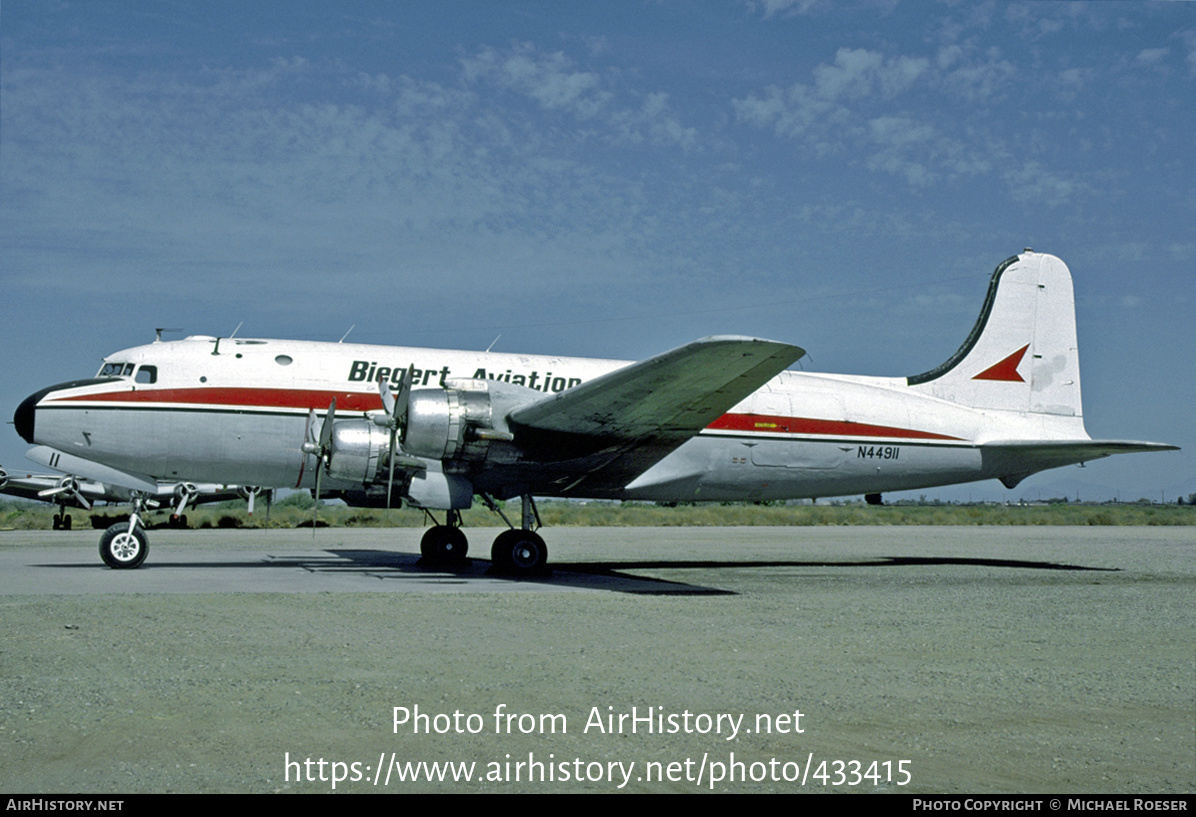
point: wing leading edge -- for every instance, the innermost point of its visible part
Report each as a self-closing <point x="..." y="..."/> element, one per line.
<point x="623" y="422"/>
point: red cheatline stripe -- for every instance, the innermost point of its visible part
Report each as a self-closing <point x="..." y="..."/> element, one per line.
<point x="831" y="428"/>
<point x="255" y="398"/>
<point x="370" y="401"/>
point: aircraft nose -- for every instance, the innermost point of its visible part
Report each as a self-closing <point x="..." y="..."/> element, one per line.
<point x="24" y="416"/>
<point x="26" y="413"/>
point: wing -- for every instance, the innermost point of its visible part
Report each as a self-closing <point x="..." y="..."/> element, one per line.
<point x="614" y="427"/>
<point x="1021" y="458"/>
<point x="27" y="486"/>
<point x="88" y="469"/>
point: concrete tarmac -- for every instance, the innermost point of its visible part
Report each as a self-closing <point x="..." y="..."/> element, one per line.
<point x="920" y="659"/>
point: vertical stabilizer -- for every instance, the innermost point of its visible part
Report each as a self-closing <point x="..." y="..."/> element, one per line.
<point x="1021" y="354"/>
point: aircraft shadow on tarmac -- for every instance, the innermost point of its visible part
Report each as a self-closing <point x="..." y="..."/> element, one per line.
<point x="609" y="575"/>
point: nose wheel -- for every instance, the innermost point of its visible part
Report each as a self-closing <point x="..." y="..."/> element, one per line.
<point x="123" y="549"/>
<point x="124" y="546"/>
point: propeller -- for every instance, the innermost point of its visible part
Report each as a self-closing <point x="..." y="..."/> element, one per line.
<point x="184" y="492"/>
<point x="320" y="446"/>
<point x="67" y="485"/>
<point x="249" y="492"/>
<point x="395" y="419"/>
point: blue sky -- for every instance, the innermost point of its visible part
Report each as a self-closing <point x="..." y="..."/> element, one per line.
<point x="607" y="179"/>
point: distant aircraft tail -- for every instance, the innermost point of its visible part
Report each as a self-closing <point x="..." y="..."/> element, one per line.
<point x="1021" y="355"/>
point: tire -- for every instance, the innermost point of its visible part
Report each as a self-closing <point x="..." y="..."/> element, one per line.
<point x="519" y="552"/>
<point x="444" y="544"/>
<point x="122" y="550"/>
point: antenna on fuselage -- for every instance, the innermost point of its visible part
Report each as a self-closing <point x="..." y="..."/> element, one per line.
<point x="351" y="328"/>
<point x="159" y="330"/>
<point x="491" y="346"/>
<point x="235" y="331"/>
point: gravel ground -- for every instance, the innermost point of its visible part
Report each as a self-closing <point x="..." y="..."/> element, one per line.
<point x="991" y="659"/>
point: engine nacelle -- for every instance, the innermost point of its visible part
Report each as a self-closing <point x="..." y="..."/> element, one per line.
<point x="441" y="423"/>
<point x="454" y="423"/>
<point x="356" y="450"/>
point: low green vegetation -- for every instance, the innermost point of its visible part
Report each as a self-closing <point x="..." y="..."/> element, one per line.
<point x="296" y="511"/>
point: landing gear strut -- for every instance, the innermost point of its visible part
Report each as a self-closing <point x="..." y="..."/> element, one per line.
<point x="517" y="552"/>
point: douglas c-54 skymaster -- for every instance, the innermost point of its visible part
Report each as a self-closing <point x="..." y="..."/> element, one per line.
<point x="716" y="419"/>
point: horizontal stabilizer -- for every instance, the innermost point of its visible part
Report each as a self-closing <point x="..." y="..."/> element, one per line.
<point x="1018" y="459"/>
<point x="672" y="395"/>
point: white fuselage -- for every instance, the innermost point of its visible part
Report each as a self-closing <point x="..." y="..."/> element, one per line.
<point x="237" y="411"/>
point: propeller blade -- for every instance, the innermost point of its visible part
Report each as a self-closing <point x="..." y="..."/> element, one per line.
<point x="315" y="509"/>
<point x="403" y="398"/>
<point x="324" y="452"/>
<point x="388" y="398"/>
<point x="396" y="418"/>
<point x="318" y="445"/>
<point x="308" y="445"/>
<point x="326" y="428"/>
<point x="249" y="492"/>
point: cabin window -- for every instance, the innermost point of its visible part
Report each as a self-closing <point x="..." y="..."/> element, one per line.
<point x="283" y="360"/>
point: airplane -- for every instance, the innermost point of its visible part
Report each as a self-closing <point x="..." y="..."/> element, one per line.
<point x="722" y="418"/>
<point x="68" y="491"/>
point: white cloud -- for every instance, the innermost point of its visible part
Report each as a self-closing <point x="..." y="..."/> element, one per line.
<point x="546" y="77"/>
<point x="1034" y="183"/>
<point x="773" y="8"/>
<point x="550" y="79"/>
<point x="1189" y="38"/>
<point x="1152" y="56"/>
<point x="849" y="104"/>
<point x="857" y="72"/>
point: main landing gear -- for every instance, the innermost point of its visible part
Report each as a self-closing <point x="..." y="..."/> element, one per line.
<point x="518" y="551"/>
<point x="445" y="543"/>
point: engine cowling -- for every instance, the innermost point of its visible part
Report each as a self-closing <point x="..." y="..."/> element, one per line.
<point x="357" y="449"/>
<point x="455" y="423"/>
<point x="445" y="424"/>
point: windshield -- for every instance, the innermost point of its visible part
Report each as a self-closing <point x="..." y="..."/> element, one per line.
<point x="115" y="370"/>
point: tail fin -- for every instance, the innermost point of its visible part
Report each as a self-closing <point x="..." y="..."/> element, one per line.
<point x="1021" y="354"/>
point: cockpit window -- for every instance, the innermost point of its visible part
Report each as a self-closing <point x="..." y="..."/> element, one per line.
<point x="116" y="370"/>
<point x="147" y="374"/>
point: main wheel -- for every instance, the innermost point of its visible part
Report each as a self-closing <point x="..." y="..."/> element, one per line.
<point x="521" y="552"/>
<point x="122" y="550"/>
<point x="444" y="543"/>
